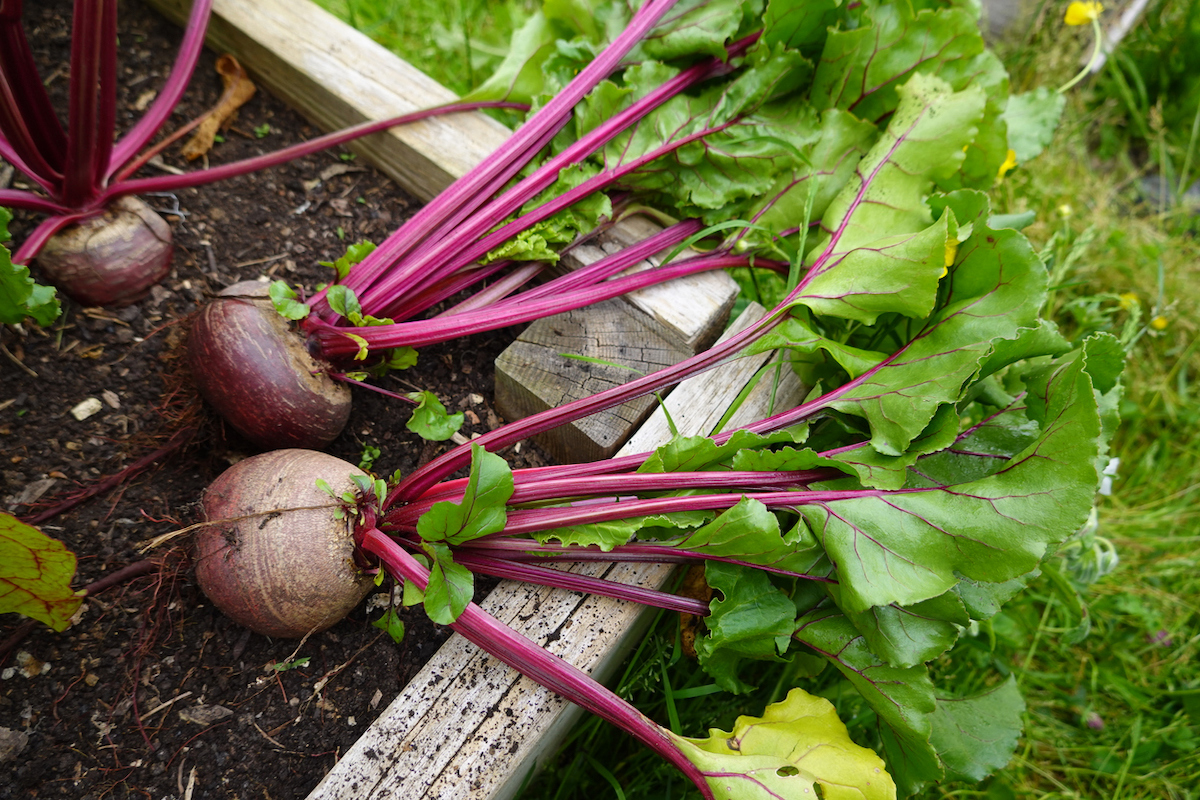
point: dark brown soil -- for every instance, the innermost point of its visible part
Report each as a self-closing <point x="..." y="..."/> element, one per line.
<point x="115" y="706"/>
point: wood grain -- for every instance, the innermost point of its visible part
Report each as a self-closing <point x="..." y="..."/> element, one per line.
<point x="533" y="374"/>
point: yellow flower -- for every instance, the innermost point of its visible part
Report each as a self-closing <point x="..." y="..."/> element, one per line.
<point x="1128" y="301"/>
<point x="1159" y="323"/>
<point x="951" y="252"/>
<point x="1010" y="163"/>
<point x="1065" y="210"/>
<point x="1082" y="13"/>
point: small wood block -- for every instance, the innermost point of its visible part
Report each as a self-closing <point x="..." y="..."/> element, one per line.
<point x="682" y="310"/>
<point x="533" y="375"/>
<point x="338" y="77"/>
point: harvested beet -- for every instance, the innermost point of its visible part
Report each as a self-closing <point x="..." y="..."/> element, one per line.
<point x="111" y="259"/>
<point x="255" y="370"/>
<point x="279" y="560"/>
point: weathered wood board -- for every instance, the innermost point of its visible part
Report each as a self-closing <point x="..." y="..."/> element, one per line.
<point x="470" y="728"/>
<point x="535" y="373"/>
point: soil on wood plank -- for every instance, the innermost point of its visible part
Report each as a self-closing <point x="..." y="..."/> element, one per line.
<point x="152" y="693"/>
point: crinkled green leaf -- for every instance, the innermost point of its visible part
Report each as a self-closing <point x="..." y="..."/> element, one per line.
<point x="520" y="78"/>
<point x="902" y="698"/>
<point x="861" y="70"/>
<point x="20" y="297"/>
<point x="1032" y="119"/>
<point x="840" y="140"/>
<point x="975" y="736"/>
<point x="913" y="544"/>
<point x="35" y="574"/>
<point x="286" y="301"/>
<point x="984" y="599"/>
<point x="450" y="587"/>
<point x="751" y="619"/>
<point x="891" y="472"/>
<point x="482" y="510"/>
<point x="882" y="251"/>
<point x="796" y="746"/>
<point x="698" y="27"/>
<point x="992" y="292"/>
<point x="430" y="420"/>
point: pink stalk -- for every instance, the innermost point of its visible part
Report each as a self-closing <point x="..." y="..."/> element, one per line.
<point x="85" y="141"/>
<point x="164" y="183"/>
<point x="335" y="343"/>
<point x="462" y="246"/>
<point x="466" y="193"/>
<point x="521" y="654"/>
<point x="561" y="489"/>
<point x="44" y="141"/>
<point x="45" y="230"/>
<point x="638" y="553"/>
<point x="172" y="91"/>
<point x="18" y="198"/>
<point x="573" y="582"/>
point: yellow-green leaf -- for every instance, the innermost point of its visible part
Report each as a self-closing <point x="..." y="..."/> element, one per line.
<point x="35" y="574"/>
<point x="795" y="744"/>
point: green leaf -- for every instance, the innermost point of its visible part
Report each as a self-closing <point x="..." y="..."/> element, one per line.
<point x="286" y="301"/>
<point x="992" y="292"/>
<point x="902" y="698"/>
<point x="1032" y="119"/>
<point x="482" y="510"/>
<point x="392" y="624"/>
<point x="35" y="575"/>
<point x="344" y="302"/>
<point x="975" y="736"/>
<point x="749" y="532"/>
<point x="607" y="535"/>
<point x="861" y="70"/>
<point x="698" y="27"/>
<point x="914" y="544"/>
<point x="20" y="297"/>
<point x="450" y="587"/>
<point x="905" y="636"/>
<point x="855" y="273"/>
<point x="752" y="619"/>
<point x="430" y="420"/>
<point x="797" y="745"/>
<point x="355" y="253"/>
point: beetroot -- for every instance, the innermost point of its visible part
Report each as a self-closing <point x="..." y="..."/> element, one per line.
<point x="277" y="558"/>
<point x="112" y="259"/>
<point x="248" y="362"/>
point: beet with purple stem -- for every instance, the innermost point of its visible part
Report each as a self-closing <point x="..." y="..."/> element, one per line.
<point x="98" y="246"/>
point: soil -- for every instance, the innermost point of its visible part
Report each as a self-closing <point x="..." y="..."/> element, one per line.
<point x="152" y="692"/>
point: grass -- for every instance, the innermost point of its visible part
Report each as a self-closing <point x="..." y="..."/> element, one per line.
<point x="1115" y="715"/>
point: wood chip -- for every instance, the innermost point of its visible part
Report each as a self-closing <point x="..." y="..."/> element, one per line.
<point x="204" y="715"/>
<point x="87" y="408"/>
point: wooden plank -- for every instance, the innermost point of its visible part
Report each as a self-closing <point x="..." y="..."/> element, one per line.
<point x="470" y="728"/>
<point x="533" y="375"/>
<point x="337" y="77"/>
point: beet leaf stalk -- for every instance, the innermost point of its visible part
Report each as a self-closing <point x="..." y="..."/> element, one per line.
<point x="98" y="242"/>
